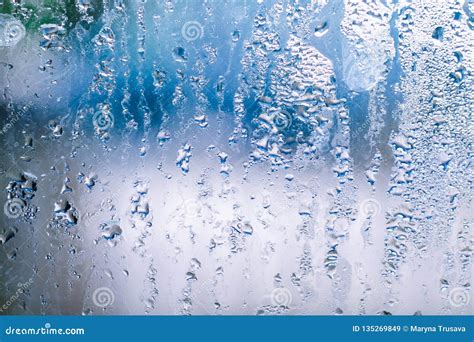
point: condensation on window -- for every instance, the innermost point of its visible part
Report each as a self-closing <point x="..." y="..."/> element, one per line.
<point x="236" y="157"/>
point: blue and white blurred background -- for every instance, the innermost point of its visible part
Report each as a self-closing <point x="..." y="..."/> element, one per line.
<point x="236" y="157"/>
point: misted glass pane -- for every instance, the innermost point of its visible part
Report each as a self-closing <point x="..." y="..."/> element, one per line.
<point x="236" y="157"/>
